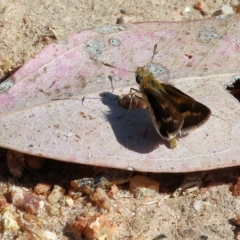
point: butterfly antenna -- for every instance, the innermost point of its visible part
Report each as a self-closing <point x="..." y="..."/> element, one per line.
<point x="111" y="66"/>
<point x="111" y="81"/>
<point x="154" y="53"/>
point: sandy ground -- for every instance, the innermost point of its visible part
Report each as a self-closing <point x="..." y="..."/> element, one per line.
<point x="205" y="213"/>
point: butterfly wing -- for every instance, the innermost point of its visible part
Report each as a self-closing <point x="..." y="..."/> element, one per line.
<point x="166" y="118"/>
<point x="171" y="110"/>
<point x="194" y="113"/>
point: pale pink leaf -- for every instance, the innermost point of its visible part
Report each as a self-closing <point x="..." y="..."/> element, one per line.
<point x="199" y="57"/>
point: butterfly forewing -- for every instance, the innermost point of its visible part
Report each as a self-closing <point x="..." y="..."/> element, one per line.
<point x="166" y="118"/>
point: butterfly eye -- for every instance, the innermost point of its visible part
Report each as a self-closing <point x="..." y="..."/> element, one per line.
<point x="139" y="79"/>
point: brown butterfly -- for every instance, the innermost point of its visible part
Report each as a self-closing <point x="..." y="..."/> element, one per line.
<point x="172" y="111"/>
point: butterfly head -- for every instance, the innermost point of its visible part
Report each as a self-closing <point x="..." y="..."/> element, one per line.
<point x="142" y="73"/>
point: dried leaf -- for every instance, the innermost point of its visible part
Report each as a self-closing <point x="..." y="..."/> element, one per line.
<point x="200" y="58"/>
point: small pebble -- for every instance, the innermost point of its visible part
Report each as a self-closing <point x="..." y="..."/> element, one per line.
<point x="53" y="210"/>
<point x="100" y="198"/>
<point x="237" y="220"/>
<point x="199" y="6"/>
<point x="197" y="205"/>
<point x="227" y="10"/>
<point x="3" y="202"/>
<point x="31" y="218"/>
<point x="37" y="233"/>
<point x="78" y="226"/>
<point x="100" y="227"/>
<point x="143" y="186"/>
<point x="50" y="235"/>
<point x="26" y="200"/>
<point x="6" y="65"/>
<point x="8" y="222"/>
<point x="186" y="10"/>
<point x="26" y="235"/>
<point x="42" y="188"/>
<point x="69" y="201"/>
<point x="113" y="191"/>
<point x="56" y="194"/>
<point x="63" y="211"/>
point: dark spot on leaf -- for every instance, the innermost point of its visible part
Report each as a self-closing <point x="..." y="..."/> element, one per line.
<point x="82" y="114"/>
<point x="82" y="81"/>
<point x="95" y="47"/>
<point x="189" y="56"/>
<point x="57" y="91"/>
<point x="48" y="94"/>
<point x="67" y="86"/>
<point x="52" y="84"/>
<point x="158" y="70"/>
<point x="114" y="42"/>
<point x="207" y="34"/>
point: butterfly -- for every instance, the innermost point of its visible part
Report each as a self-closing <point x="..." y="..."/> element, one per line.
<point x="172" y="111"/>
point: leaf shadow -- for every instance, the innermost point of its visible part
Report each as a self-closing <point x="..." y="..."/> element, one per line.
<point x="134" y="130"/>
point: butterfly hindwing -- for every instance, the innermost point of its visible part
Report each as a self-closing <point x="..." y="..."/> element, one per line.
<point x="194" y="113"/>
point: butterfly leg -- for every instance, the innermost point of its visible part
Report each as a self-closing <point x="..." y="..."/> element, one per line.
<point x="132" y="100"/>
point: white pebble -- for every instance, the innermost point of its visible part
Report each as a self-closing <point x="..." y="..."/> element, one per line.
<point x="197" y="205"/>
